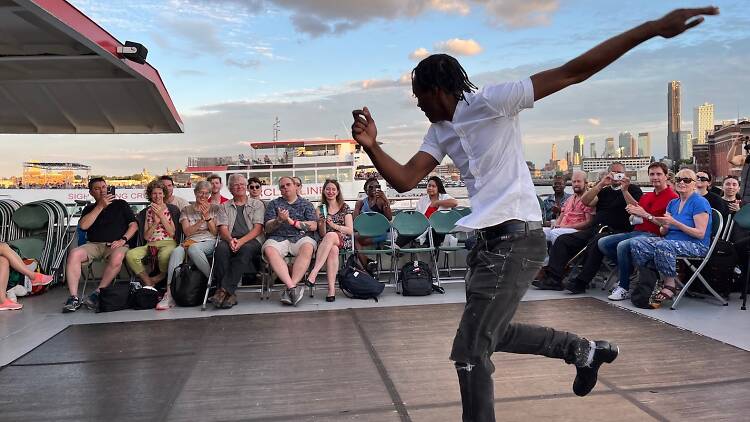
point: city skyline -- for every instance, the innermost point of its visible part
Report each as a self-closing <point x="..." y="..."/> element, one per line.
<point x="231" y="67"/>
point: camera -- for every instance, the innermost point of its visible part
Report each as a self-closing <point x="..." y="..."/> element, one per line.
<point x="618" y="176"/>
<point x="635" y="220"/>
<point x="111" y="190"/>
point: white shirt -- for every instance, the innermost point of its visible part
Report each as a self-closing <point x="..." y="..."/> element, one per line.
<point x="484" y="142"/>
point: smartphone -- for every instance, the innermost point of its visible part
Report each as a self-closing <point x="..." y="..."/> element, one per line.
<point x="111" y="190"/>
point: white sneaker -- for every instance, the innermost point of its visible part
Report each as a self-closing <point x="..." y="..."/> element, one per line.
<point x="165" y="303"/>
<point x="619" y="294"/>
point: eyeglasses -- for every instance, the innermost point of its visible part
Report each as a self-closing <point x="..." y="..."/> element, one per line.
<point x="685" y="180"/>
<point x="253" y="186"/>
<point x="703" y="179"/>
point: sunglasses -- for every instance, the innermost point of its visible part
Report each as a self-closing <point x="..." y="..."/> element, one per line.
<point x="703" y="179"/>
<point x="683" y="180"/>
<point x="253" y="186"/>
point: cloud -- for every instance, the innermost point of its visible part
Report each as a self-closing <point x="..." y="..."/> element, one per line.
<point x="459" y="47"/>
<point x="200" y="35"/>
<point x="515" y="14"/>
<point x="189" y="72"/>
<point x="242" y="64"/>
<point x="419" y="54"/>
<point x="594" y="121"/>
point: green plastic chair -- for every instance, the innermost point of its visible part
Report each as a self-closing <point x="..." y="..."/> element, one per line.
<point x="413" y="224"/>
<point x="464" y="211"/>
<point x="444" y="222"/>
<point x="373" y="224"/>
<point x="32" y="219"/>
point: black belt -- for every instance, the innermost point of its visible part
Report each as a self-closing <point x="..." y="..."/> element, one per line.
<point x="511" y="229"/>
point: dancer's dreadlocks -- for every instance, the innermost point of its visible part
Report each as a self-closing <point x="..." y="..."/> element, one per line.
<point x="444" y="72"/>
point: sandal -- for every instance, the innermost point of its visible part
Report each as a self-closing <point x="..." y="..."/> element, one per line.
<point x="666" y="293"/>
<point x="309" y="283"/>
<point x="330" y="298"/>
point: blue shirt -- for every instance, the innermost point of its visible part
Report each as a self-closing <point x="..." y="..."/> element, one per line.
<point x="300" y="210"/>
<point x="694" y="205"/>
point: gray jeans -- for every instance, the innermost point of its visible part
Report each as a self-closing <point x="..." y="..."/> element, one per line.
<point x="500" y="272"/>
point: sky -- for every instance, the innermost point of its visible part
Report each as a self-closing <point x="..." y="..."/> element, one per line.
<point x="233" y="66"/>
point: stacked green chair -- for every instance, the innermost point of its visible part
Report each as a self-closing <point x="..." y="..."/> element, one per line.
<point x="412" y="224"/>
<point x="8" y="229"/>
<point x="444" y="222"/>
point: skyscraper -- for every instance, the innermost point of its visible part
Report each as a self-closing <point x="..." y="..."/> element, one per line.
<point x="644" y="144"/>
<point x="686" y="144"/>
<point x="624" y="143"/>
<point x="673" y="120"/>
<point x="592" y="149"/>
<point x="609" y="148"/>
<point x="578" y="142"/>
<point x="703" y="121"/>
<point x="554" y="153"/>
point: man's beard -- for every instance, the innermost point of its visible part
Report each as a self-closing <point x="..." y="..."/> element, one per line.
<point x="577" y="190"/>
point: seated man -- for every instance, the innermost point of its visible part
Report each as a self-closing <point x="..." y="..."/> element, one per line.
<point x="574" y="215"/>
<point x="552" y="205"/>
<point x="240" y="223"/>
<point x="375" y="201"/>
<point x="609" y="196"/>
<point x="170" y="198"/>
<point x="290" y="223"/>
<point x="617" y="246"/>
<point x="216" y="196"/>
<point x="109" y="224"/>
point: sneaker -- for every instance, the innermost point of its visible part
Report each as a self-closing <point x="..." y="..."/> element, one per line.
<point x="586" y="376"/>
<point x="285" y="297"/>
<point x="71" y="305"/>
<point x="165" y="303"/>
<point x="9" y="305"/>
<point x="229" y="301"/>
<point x="41" y="279"/>
<point x="299" y="293"/>
<point x="92" y="301"/>
<point x="619" y="294"/>
<point x="219" y="297"/>
<point x="293" y="295"/>
<point x="372" y="267"/>
<point x="548" y="283"/>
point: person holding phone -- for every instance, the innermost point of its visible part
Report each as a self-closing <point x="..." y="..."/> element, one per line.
<point x="109" y="224"/>
<point x="335" y="226"/>
<point x="374" y="201"/>
<point x="480" y="130"/>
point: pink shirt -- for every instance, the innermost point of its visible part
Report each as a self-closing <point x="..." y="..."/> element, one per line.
<point x="574" y="212"/>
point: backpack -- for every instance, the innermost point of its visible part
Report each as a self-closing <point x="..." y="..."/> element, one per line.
<point x="718" y="272"/>
<point x="416" y="279"/>
<point x="145" y="298"/>
<point x="356" y="283"/>
<point x="641" y="296"/>
<point x="114" y="297"/>
<point x="188" y="285"/>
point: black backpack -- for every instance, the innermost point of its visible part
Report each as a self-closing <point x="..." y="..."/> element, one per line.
<point x="357" y="283"/>
<point x="188" y="285"/>
<point x="416" y="279"/>
<point x="644" y="288"/>
<point x="144" y="298"/>
<point x="114" y="297"/>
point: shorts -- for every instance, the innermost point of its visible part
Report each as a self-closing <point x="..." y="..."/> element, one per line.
<point x="100" y="250"/>
<point x="286" y="247"/>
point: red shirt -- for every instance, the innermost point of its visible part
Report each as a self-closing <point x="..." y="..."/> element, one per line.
<point x="429" y="211"/>
<point x="656" y="205"/>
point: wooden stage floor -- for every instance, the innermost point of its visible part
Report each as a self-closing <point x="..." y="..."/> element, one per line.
<point x="368" y="364"/>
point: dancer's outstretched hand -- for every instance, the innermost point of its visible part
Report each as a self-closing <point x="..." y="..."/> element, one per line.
<point x="364" y="130"/>
<point x="680" y="20"/>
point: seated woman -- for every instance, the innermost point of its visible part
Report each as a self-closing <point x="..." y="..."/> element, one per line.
<point x="375" y="201"/>
<point x="10" y="259"/>
<point x="198" y="223"/>
<point x="731" y="189"/>
<point x="437" y="199"/>
<point x="685" y="227"/>
<point x="336" y="227"/>
<point x="158" y="225"/>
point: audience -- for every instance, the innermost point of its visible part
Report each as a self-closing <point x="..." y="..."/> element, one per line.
<point x="651" y="205"/>
<point x="731" y="194"/>
<point x="158" y="230"/>
<point x="109" y="224"/>
<point x="216" y="196"/>
<point x="255" y="188"/>
<point x="686" y="230"/>
<point x="574" y="215"/>
<point x="289" y="222"/>
<point x="9" y="259"/>
<point x="199" y="226"/>
<point x="169" y="196"/>
<point x="336" y="226"/>
<point x="609" y="196"/>
<point x="240" y="224"/>
<point x="704" y="188"/>
<point x="375" y="201"/>
<point x="553" y="203"/>
<point x="436" y="199"/>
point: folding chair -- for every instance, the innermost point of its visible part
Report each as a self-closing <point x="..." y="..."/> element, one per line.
<point x="370" y="225"/>
<point x="716" y="232"/>
<point x="444" y="222"/>
<point x="413" y="224"/>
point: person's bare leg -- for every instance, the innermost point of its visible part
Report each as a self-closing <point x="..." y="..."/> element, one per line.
<point x="301" y="263"/>
<point x="114" y="264"/>
<point x="4" y="274"/>
<point x="332" y="268"/>
<point x="278" y="265"/>
<point x="145" y="278"/>
<point x="321" y="256"/>
<point x="76" y="258"/>
<point x="15" y="261"/>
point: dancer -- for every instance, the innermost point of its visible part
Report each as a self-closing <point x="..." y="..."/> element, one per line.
<point x="480" y="132"/>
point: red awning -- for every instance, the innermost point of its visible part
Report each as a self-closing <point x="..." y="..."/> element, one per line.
<point x="60" y="73"/>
